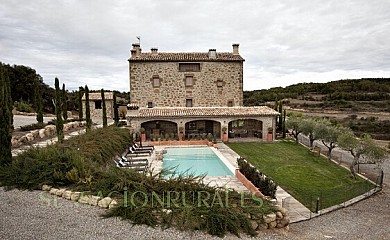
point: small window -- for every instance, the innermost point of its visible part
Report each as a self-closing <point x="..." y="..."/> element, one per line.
<point x="189" y="81"/>
<point x="150" y="104"/>
<point x="219" y="83"/>
<point x="230" y="103"/>
<point x="98" y="104"/>
<point x="189" y="67"/>
<point x="188" y="102"/>
<point x="156" y="82"/>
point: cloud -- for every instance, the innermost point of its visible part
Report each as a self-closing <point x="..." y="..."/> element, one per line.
<point x="283" y="42"/>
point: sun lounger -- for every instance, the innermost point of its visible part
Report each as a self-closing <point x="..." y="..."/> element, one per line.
<point x="134" y="151"/>
<point x="136" y="146"/>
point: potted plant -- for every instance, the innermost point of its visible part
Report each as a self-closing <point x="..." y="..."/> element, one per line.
<point x="215" y="145"/>
<point x="143" y="134"/>
<point x="224" y="135"/>
<point x="270" y="134"/>
<point x="181" y="130"/>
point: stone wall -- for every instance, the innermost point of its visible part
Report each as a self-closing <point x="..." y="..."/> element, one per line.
<point x="173" y="92"/>
<point x="98" y="113"/>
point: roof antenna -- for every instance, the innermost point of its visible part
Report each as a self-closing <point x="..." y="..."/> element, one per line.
<point x="139" y="40"/>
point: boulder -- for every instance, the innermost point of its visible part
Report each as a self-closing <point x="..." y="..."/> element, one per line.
<point x="46" y="187"/>
<point x="263" y="226"/>
<point x="254" y="225"/>
<point x="269" y="217"/>
<point x="279" y="215"/>
<point x="35" y="133"/>
<point x="272" y="224"/>
<point x="67" y="194"/>
<point x="112" y="204"/>
<point x="42" y="133"/>
<point x="30" y="137"/>
<point x="285" y="221"/>
<point x="86" y="199"/>
<point x="105" y="202"/>
<point x="60" y="192"/>
<point x="94" y="200"/>
<point x="53" y="191"/>
<point x="23" y="139"/>
<point x="284" y="211"/>
<point x="74" y="196"/>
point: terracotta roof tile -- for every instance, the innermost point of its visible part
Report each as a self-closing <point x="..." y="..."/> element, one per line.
<point x="186" y="57"/>
<point x="203" y="111"/>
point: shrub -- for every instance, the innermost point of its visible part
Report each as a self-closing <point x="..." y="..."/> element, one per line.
<point x="23" y="107"/>
<point x="33" y="126"/>
<point x="265" y="184"/>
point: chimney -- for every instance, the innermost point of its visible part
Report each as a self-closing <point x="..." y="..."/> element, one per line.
<point x="235" y="48"/>
<point x="133" y="53"/>
<point x="154" y="51"/>
<point x="137" y="49"/>
<point x="212" y="53"/>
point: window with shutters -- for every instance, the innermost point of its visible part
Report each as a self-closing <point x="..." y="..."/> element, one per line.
<point x="188" y="102"/>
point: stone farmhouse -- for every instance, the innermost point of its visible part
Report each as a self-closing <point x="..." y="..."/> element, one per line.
<point x="197" y="92"/>
<point x="96" y="106"/>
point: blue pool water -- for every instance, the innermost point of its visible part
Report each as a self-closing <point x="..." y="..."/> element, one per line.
<point x="195" y="161"/>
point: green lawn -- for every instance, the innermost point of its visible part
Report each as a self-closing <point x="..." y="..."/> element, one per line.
<point x="305" y="176"/>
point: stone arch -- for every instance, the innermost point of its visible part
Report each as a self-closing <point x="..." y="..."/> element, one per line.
<point x="160" y="128"/>
<point x="199" y="127"/>
<point x="246" y="127"/>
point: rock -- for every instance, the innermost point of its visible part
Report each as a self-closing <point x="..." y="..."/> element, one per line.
<point x="113" y="204"/>
<point x="105" y="202"/>
<point x="86" y="199"/>
<point x="254" y="225"/>
<point x="263" y="226"/>
<point x="67" y="194"/>
<point x="279" y="215"/>
<point x="272" y="224"/>
<point x="14" y="142"/>
<point x="60" y="192"/>
<point x="42" y="133"/>
<point x="94" y="200"/>
<point x="66" y="127"/>
<point x="285" y="221"/>
<point x="46" y="187"/>
<point x="284" y="211"/>
<point x="53" y="191"/>
<point x="269" y="217"/>
<point x="30" y="137"/>
<point x="35" y="133"/>
<point x="74" y="196"/>
<point x="23" y="139"/>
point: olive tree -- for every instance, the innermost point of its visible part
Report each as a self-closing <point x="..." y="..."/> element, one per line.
<point x="363" y="148"/>
<point x="293" y="123"/>
<point x="328" y="134"/>
<point x="307" y="127"/>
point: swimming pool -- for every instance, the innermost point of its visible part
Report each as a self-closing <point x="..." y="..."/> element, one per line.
<point x="196" y="161"/>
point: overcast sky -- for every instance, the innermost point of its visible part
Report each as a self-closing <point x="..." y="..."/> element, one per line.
<point x="283" y="42"/>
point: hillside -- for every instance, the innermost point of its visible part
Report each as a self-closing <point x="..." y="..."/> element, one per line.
<point x="352" y="95"/>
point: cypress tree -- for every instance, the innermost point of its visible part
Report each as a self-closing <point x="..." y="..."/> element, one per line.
<point x="80" y="100"/>
<point x="58" y="110"/>
<point x="280" y="115"/>
<point x="116" y="113"/>
<point x="38" y="101"/>
<point x="87" y="109"/>
<point x="284" y="124"/>
<point x="104" y="108"/>
<point x="64" y="103"/>
<point x="5" y="118"/>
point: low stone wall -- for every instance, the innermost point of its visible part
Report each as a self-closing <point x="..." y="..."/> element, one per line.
<point x="47" y="131"/>
<point x="248" y="184"/>
<point x="80" y="197"/>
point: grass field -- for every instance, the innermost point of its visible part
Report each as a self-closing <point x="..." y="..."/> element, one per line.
<point x="305" y="176"/>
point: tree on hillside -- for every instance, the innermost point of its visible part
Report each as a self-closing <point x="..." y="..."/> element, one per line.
<point x="5" y="118"/>
<point x="80" y="102"/>
<point x="307" y="127"/>
<point x="58" y="111"/>
<point x="38" y="101"/>
<point x="87" y="110"/>
<point x="116" y="113"/>
<point x="104" y="108"/>
<point x="328" y="134"/>
<point x="64" y="102"/>
<point x="364" y="148"/>
<point x="293" y="123"/>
